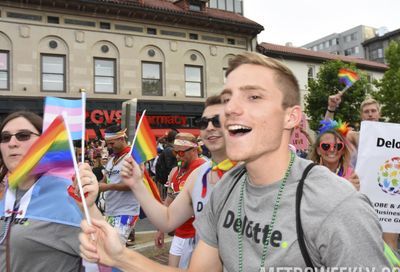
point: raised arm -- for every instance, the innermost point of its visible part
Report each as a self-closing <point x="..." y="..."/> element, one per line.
<point x="164" y="218"/>
<point x="333" y="104"/>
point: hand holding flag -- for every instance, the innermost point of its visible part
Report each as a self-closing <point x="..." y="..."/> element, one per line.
<point x="348" y="77"/>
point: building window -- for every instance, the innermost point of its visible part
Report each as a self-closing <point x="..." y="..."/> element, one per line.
<point x="310" y="73"/>
<point x="151" y="31"/>
<point x="221" y="4"/>
<point x="104" y="75"/>
<point x="321" y="46"/>
<point x="327" y="44"/>
<point x="194" y="7"/>
<point x="238" y="6"/>
<point x="231" y="41"/>
<point x="4" y="70"/>
<point x="194" y="81"/>
<point x="105" y="25"/>
<point x="53" y="73"/>
<point x="229" y="5"/>
<point x="224" y="73"/>
<point x="315" y="48"/>
<point x="356" y="50"/>
<point x="193" y="36"/>
<point x="53" y="20"/>
<point x="380" y="52"/>
<point x="213" y="4"/>
<point x="151" y="78"/>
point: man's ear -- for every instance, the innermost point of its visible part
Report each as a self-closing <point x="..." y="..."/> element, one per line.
<point x="293" y="117"/>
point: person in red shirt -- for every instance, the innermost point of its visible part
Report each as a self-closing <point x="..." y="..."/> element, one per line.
<point x="185" y="148"/>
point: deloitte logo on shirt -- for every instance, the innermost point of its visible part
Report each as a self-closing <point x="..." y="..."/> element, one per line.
<point x="389" y="176"/>
<point x="253" y="230"/>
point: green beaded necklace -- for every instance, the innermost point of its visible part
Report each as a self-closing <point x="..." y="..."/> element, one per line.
<point x="273" y="218"/>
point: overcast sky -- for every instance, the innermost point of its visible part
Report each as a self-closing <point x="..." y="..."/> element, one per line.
<point x="303" y="21"/>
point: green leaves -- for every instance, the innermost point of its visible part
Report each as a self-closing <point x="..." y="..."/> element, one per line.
<point x="327" y="83"/>
<point x="389" y="86"/>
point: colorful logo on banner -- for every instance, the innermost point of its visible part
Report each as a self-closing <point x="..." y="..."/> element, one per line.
<point x="389" y="176"/>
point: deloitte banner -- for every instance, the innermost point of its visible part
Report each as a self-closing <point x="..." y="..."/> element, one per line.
<point x="378" y="166"/>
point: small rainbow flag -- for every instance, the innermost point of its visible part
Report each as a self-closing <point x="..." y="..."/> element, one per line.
<point x="348" y="77"/>
<point x="151" y="186"/>
<point x="144" y="143"/>
<point x="50" y="151"/>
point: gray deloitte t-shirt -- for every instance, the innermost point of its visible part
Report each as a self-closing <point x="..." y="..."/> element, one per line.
<point x="341" y="228"/>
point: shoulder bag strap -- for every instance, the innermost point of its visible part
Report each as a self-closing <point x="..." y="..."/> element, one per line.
<point x="299" y="228"/>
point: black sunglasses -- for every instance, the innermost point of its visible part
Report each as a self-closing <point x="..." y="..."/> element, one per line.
<point x="202" y="123"/>
<point x="22" y="136"/>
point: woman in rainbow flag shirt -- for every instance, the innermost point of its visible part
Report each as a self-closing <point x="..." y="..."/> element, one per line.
<point x="39" y="222"/>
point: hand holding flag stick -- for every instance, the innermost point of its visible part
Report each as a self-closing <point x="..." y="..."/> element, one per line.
<point x="348" y="77"/>
<point x="78" y="179"/>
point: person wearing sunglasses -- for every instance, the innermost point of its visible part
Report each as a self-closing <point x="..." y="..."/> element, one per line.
<point x="185" y="148"/>
<point x="332" y="150"/>
<point x="39" y="221"/>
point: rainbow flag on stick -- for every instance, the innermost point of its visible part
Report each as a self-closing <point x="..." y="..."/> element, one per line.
<point x="50" y="151"/>
<point x="144" y="143"/>
<point x="348" y="77"/>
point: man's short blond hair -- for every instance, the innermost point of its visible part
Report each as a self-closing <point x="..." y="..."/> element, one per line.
<point x="370" y="101"/>
<point x="285" y="78"/>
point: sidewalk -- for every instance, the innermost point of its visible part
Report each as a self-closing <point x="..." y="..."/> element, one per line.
<point x="144" y="243"/>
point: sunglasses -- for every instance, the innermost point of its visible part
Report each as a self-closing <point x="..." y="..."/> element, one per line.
<point x="22" y="136"/>
<point x="331" y="146"/>
<point x="202" y="123"/>
<point x="181" y="153"/>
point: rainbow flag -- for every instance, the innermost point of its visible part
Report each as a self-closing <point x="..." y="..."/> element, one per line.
<point x="144" y="146"/>
<point x="151" y="185"/>
<point x="49" y="152"/>
<point x="348" y="77"/>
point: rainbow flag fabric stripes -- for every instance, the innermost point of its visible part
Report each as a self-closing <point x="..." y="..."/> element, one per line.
<point x="348" y="77"/>
<point x="151" y="185"/>
<point x="49" y="152"/>
<point x="54" y="106"/>
<point x="144" y="147"/>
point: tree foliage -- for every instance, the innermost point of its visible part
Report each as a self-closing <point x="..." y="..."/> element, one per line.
<point x="327" y="83"/>
<point x="389" y="87"/>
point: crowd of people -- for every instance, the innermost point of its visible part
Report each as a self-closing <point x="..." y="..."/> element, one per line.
<point x="232" y="211"/>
